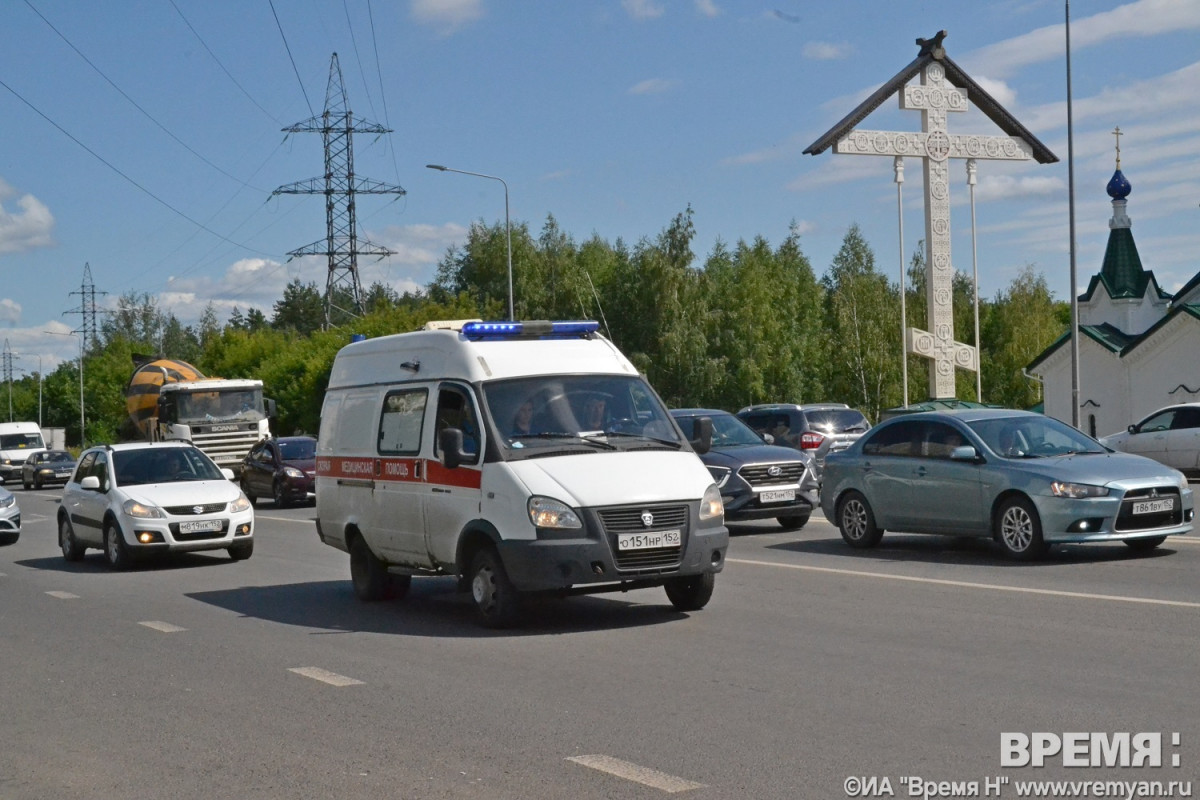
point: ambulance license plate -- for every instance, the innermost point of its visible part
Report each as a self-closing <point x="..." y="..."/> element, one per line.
<point x="648" y="540"/>
<point x="778" y="496"/>
<point x="200" y="526"/>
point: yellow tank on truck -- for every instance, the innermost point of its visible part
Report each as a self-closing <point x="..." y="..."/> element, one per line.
<point x="141" y="395"/>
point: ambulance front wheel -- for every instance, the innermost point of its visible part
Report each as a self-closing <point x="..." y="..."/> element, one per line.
<point x="496" y="599"/>
<point x="691" y="592"/>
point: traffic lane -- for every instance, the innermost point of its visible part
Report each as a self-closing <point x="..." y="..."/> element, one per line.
<point x="1166" y="573"/>
<point x="775" y="685"/>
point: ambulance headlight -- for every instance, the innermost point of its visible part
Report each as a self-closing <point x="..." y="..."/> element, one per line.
<point x="711" y="506"/>
<point x="547" y="513"/>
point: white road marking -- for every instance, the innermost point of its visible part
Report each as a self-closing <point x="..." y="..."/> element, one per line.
<point x="165" y="627"/>
<point x="970" y="585"/>
<point x="63" y="595"/>
<point x="632" y="772"/>
<point x="324" y="675"/>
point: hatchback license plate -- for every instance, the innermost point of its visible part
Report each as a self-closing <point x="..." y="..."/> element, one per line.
<point x="1153" y="506"/>
<point x="778" y="496"/>
<point x="200" y="525"/>
<point x="648" y="540"/>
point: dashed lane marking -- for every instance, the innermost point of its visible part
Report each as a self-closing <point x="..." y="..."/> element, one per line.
<point x="638" y="774"/>
<point x="325" y="676"/>
<point x="970" y="585"/>
<point x="63" y="595"/>
<point x="165" y="627"/>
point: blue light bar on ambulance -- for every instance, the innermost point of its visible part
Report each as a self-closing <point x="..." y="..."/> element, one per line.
<point x="529" y="329"/>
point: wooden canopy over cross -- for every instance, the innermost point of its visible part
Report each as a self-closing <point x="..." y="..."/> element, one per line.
<point x="944" y="88"/>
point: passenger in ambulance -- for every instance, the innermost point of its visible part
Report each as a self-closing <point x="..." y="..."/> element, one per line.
<point x="522" y="424"/>
<point x="595" y="414"/>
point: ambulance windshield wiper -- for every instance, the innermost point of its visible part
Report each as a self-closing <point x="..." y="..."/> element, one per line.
<point x="563" y="435"/>
<point x="655" y="439"/>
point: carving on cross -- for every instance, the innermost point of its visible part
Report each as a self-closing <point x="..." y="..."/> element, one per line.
<point x="934" y="98"/>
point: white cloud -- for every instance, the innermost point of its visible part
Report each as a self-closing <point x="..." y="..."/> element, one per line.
<point x="825" y="51"/>
<point x="449" y="15"/>
<point x="707" y="8"/>
<point x="643" y="9"/>
<point x="1000" y="91"/>
<point x="10" y="311"/>
<point x="1007" y="187"/>
<point x="1140" y="18"/>
<point x="27" y="229"/>
<point x="652" y="86"/>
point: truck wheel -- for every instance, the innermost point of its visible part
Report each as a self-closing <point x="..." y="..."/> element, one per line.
<point x="368" y="574"/>
<point x="691" y="592"/>
<point x="115" y="551"/>
<point x="496" y="599"/>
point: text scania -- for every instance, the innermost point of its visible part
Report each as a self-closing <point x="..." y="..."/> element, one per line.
<point x="1080" y="749"/>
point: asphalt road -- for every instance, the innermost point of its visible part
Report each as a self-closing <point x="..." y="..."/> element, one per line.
<point x="199" y="677"/>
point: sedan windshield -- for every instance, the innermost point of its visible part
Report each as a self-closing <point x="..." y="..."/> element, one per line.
<point x="163" y="465"/>
<point x="594" y="412"/>
<point x="1033" y="436"/>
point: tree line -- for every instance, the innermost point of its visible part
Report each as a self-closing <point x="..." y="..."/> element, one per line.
<point x="752" y="323"/>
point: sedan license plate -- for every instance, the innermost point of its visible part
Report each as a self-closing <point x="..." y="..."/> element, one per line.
<point x="777" y="496"/>
<point x="1153" y="506"/>
<point x="648" y="540"/>
<point x="200" y="526"/>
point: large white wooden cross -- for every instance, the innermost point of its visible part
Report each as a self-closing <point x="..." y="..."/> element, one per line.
<point x="934" y="97"/>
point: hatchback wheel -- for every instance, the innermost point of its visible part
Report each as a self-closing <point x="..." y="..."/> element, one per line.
<point x="115" y="551"/>
<point x="856" y="521"/>
<point x="1020" y="530"/>
<point x="794" y="522"/>
<point x="279" y="493"/>
<point x="72" y="550"/>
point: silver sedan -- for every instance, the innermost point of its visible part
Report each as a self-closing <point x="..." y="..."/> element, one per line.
<point x="1026" y="480"/>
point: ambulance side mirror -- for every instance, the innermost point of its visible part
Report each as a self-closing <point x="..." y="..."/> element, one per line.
<point x="701" y="440"/>
<point x="450" y="440"/>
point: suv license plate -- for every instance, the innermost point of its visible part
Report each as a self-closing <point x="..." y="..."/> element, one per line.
<point x="648" y="541"/>
<point x="1153" y="506"/>
<point x="779" y="496"/>
<point x="200" y="525"/>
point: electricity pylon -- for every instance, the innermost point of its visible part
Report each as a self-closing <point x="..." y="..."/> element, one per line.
<point x="337" y="126"/>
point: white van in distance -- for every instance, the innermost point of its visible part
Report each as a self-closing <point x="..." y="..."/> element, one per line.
<point x="522" y="457"/>
<point x="18" y="441"/>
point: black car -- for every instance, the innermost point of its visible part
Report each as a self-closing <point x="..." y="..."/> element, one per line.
<point x="46" y="467"/>
<point x="757" y="480"/>
<point x="283" y="468"/>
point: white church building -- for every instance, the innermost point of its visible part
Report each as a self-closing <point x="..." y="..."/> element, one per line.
<point x="1138" y="345"/>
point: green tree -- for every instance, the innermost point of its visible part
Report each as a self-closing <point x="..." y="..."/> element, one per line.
<point x="1023" y="320"/>
<point x="301" y="309"/>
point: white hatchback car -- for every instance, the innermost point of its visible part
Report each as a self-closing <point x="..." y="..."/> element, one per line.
<point x="141" y="498"/>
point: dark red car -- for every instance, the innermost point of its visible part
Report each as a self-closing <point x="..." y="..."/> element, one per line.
<point x="283" y="468"/>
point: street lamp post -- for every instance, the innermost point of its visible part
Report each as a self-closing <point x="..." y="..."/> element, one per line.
<point x="82" y="442"/>
<point x="507" y="227"/>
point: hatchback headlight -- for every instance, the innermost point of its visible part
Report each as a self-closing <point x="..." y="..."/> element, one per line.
<point x="1077" y="490"/>
<point x="8" y="502"/>
<point x="711" y="506"/>
<point x="547" y="513"/>
<point x="240" y="505"/>
<point x="292" y="472"/>
<point x="142" y="511"/>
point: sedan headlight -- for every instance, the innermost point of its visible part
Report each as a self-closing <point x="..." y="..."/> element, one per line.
<point x="240" y="505"/>
<point x="711" y="506"/>
<point x="8" y="502"/>
<point x="142" y="511"/>
<point x="547" y="513"/>
<point x="1077" y="490"/>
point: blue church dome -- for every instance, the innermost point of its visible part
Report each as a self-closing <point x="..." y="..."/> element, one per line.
<point x="1119" y="186"/>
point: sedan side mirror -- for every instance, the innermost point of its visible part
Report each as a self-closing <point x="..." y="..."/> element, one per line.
<point x="964" y="453"/>
<point x="1132" y="429"/>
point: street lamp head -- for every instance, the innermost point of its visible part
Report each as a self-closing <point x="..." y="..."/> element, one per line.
<point x="438" y="167"/>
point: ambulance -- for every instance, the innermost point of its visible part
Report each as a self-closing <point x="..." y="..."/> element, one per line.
<point x="522" y="457"/>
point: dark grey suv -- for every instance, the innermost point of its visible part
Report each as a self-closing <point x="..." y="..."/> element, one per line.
<point x="814" y="428"/>
<point x="757" y="480"/>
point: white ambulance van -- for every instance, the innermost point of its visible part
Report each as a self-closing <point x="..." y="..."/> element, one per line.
<point x="523" y="457"/>
<point x="18" y="441"/>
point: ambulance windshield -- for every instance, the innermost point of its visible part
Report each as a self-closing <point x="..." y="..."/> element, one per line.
<point x="609" y="411"/>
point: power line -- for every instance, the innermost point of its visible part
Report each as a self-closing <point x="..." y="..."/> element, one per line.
<point x="287" y="47"/>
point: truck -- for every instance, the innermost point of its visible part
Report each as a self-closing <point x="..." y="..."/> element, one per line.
<point x="168" y="399"/>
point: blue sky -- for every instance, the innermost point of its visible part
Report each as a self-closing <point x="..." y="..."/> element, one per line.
<point x="144" y="138"/>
